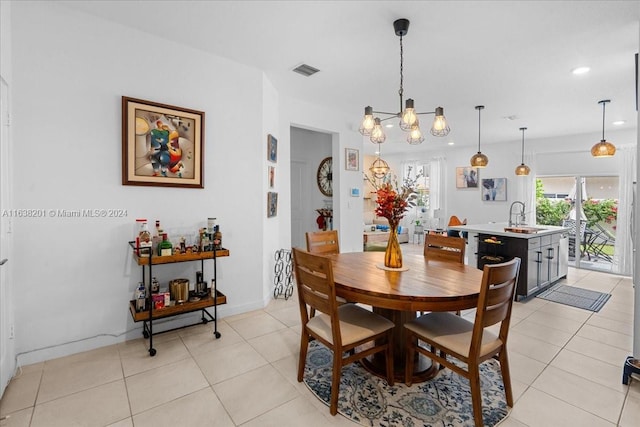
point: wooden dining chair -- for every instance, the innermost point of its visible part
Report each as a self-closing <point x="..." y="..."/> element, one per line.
<point x="444" y="248"/>
<point x="470" y="342"/>
<point x="341" y="328"/>
<point x="323" y="242"/>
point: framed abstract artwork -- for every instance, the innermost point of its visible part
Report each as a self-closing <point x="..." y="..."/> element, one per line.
<point x="494" y="189"/>
<point x="272" y="176"/>
<point x="272" y="204"/>
<point x="272" y="148"/>
<point x="466" y="177"/>
<point x="162" y="145"/>
<point x="352" y="159"/>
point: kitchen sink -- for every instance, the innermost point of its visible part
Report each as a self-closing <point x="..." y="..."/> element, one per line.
<point x="524" y="230"/>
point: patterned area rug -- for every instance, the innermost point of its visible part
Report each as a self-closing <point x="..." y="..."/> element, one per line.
<point x="370" y="401"/>
<point x="576" y="297"/>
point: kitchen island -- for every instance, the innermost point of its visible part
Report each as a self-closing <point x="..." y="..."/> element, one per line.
<point x="544" y="252"/>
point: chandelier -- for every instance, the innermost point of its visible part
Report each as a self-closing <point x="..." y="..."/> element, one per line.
<point x="603" y="148"/>
<point x="371" y="126"/>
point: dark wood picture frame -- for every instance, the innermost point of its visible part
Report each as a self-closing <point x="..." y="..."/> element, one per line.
<point x="162" y="145"/>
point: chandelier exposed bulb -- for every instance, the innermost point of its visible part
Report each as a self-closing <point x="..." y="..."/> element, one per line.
<point x="440" y="126"/>
<point x="409" y="119"/>
<point x="367" y="122"/>
<point x="415" y="136"/>
<point x="377" y="133"/>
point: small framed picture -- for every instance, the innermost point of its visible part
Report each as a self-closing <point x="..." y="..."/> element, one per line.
<point x="466" y="177"/>
<point x="272" y="176"/>
<point x="272" y="148"/>
<point x="272" y="204"/>
<point x="355" y="192"/>
<point x="352" y="159"/>
<point x="494" y="189"/>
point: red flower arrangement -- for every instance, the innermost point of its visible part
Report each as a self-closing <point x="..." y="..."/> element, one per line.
<point x="393" y="201"/>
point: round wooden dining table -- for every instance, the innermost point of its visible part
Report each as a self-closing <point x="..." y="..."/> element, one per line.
<point x="426" y="285"/>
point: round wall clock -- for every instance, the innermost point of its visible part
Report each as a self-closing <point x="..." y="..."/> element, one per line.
<point x="325" y="177"/>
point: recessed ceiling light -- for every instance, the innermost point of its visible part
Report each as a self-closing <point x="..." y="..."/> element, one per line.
<point x="511" y="118"/>
<point x="389" y="125"/>
<point x="619" y="122"/>
<point x="450" y="143"/>
<point x="580" y="70"/>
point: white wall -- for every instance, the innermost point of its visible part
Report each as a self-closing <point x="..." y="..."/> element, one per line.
<point x="347" y="210"/>
<point x="75" y="275"/>
<point x="7" y="319"/>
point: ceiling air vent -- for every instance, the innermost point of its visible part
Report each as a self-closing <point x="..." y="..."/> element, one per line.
<point x="305" y="70"/>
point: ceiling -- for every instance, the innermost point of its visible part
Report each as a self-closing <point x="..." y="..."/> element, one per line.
<point x="513" y="57"/>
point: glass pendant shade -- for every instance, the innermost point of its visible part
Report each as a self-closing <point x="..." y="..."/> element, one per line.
<point x="479" y="160"/>
<point x="415" y="136"/>
<point x="379" y="168"/>
<point x="377" y="133"/>
<point x="603" y="148"/>
<point x="440" y="126"/>
<point x="523" y="169"/>
<point x="408" y="117"/>
<point x="367" y="122"/>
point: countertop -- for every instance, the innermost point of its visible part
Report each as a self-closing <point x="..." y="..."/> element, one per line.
<point x="497" y="229"/>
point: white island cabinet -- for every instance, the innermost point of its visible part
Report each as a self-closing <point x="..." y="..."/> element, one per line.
<point x="543" y="250"/>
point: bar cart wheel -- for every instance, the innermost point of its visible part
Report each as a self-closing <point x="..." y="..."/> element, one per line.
<point x="152" y="352"/>
<point x="217" y="334"/>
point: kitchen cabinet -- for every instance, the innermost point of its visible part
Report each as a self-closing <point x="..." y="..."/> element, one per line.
<point x="543" y="252"/>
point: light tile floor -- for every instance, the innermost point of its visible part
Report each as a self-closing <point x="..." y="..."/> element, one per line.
<point x="566" y="367"/>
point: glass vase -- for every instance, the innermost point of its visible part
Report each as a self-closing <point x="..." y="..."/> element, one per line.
<point x="393" y="254"/>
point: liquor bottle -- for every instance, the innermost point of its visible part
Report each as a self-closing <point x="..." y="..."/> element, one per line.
<point x="140" y="297"/>
<point x="157" y="236"/>
<point x="155" y="286"/>
<point x="165" y="248"/>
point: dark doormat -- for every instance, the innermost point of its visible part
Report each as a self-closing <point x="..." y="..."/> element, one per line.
<point x="575" y="297"/>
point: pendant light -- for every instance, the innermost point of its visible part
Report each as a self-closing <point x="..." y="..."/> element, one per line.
<point x="523" y="169"/>
<point x="370" y="125"/>
<point x="479" y="160"/>
<point x="379" y="168"/>
<point x="603" y="148"/>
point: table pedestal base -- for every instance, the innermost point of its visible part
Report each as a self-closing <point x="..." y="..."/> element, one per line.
<point x="423" y="369"/>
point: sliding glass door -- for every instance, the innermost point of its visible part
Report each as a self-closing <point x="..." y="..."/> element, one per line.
<point x="588" y="206"/>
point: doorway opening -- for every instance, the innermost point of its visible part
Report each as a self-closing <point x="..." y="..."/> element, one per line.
<point x="588" y="206"/>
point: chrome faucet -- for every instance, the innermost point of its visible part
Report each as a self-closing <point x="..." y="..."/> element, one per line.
<point x="520" y="218"/>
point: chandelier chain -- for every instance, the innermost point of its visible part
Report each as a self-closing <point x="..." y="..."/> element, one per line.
<point x="400" y="92"/>
<point x="479" y="110"/>
<point x="603" y="105"/>
<point x="523" y="129"/>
